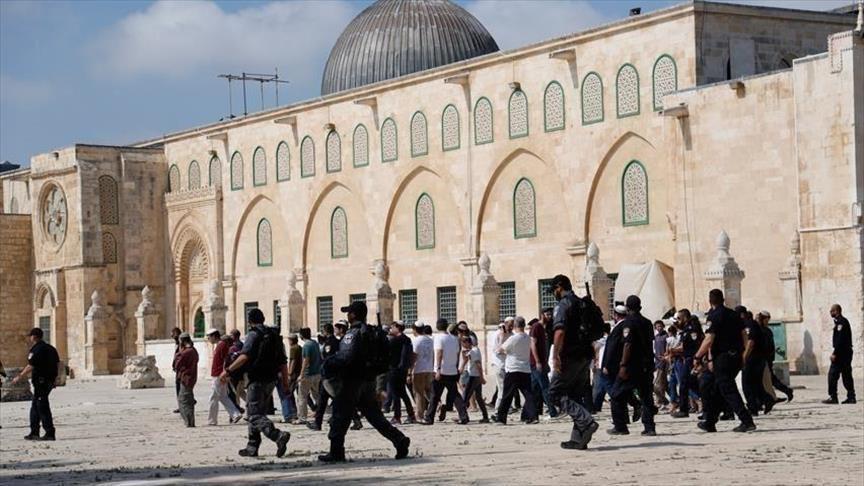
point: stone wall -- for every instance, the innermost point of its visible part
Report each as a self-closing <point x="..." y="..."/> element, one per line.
<point x="16" y="288"/>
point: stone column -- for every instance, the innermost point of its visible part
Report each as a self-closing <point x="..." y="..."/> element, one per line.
<point x="214" y="308"/>
<point x="597" y="279"/>
<point x="147" y="318"/>
<point x="485" y="300"/>
<point x="792" y="317"/>
<point x="381" y="298"/>
<point x="724" y="273"/>
<point x="790" y="280"/>
<point x="292" y="305"/>
<point x="98" y="320"/>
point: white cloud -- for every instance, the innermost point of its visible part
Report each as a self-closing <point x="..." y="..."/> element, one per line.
<point x="515" y="23"/>
<point x="181" y="40"/>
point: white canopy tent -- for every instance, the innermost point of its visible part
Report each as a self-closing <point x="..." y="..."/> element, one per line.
<point x="652" y="282"/>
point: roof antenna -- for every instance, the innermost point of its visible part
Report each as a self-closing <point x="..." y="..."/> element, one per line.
<point x="260" y="78"/>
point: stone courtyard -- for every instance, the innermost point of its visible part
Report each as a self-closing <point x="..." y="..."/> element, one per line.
<point x="106" y="434"/>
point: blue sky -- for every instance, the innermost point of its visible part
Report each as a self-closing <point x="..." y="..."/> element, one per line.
<point x="114" y="72"/>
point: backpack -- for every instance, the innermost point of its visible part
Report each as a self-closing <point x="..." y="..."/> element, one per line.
<point x="375" y="351"/>
<point x="590" y="320"/>
<point x="269" y="355"/>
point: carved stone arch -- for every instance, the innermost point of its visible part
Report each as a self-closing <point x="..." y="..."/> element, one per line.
<point x="43" y="291"/>
<point x="192" y="255"/>
<point x="250" y="207"/>
<point x="313" y="210"/>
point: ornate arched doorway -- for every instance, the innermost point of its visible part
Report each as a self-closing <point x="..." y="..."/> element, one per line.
<point x="192" y="271"/>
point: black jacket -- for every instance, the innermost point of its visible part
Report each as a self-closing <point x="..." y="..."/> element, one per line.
<point x="842" y="338"/>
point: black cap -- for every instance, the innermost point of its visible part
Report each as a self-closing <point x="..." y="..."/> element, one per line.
<point x="739" y="309"/>
<point x="358" y="308"/>
<point x="561" y="280"/>
<point x="633" y="303"/>
<point x="36" y="332"/>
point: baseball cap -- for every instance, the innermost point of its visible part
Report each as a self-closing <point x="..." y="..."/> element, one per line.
<point x="357" y="307"/>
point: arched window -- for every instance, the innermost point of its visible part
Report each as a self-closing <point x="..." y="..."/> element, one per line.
<point x="334" y="152"/>
<point x="236" y="171"/>
<point x="173" y="178"/>
<point x="627" y="91"/>
<point x="338" y="234"/>
<point x="483" y="128"/>
<point x="259" y="167"/>
<point x="424" y="222"/>
<point x="664" y="79"/>
<point x="265" y="243"/>
<point x="215" y="172"/>
<point x="524" y="210"/>
<point x="108" y="206"/>
<point x="361" y="146"/>
<point x="450" y="134"/>
<point x="109" y="248"/>
<point x="518" y="111"/>
<point x="283" y="162"/>
<point x="592" y="99"/>
<point x="553" y="107"/>
<point x="307" y="157"/>
<point x="194" y="175"/>
<point x="634" y="194"/>
<point x="419" y="135"/>
<point x="389" y="145"/>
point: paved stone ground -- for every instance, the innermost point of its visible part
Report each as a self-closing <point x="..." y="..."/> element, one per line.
<point x="131" y="437"/>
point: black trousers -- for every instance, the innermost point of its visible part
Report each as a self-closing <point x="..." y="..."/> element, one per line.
<point x="841" y="368"/>
<point x="751" y="383"/>
<point x="398" y="392"/>
<point x="40" y="408"/>
<point x="358" y="396"/>
<point x="719" y="391"/>
<point x="515" y="382"/>
<point x="258" y="394"/>
<point x="474" y="388"/>
<point x="323" y="399"/>
<point x="686" y="381"/>
<point x="447" y="382"/>
<point x="621" y="394"/>
<point x="777" y="382"/>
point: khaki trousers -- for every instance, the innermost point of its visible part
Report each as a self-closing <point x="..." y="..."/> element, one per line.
<point x="422" y="385"/>
<point x="307" y="385"/>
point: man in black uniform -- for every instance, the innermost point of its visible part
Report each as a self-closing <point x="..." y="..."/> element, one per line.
<point x="353" y="387"/>
<point x="691" y="338"/>
<point x="263" y="358"/>
<point x="328" y="348"/>
<point x="754" y="365"/>
<point x="841" y="358"/>
<point x="764" y="318"/>
<point x="571" y="365"/>
<point x="621" y="365"/>
<point x="643" y="372"/>
<point x="724" y="341"/>
<point x="42" y="362"/>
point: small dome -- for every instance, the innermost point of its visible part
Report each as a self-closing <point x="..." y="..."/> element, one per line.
<point x="392" y="38"/>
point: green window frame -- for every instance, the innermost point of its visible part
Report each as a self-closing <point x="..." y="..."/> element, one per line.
<point x="618" y="92"/>
<point x="544" y="297"/>
<point x="354" y="145"/>
<point x="585" y="121"/>
<point x="485" y="100"/>
<point x="236" y="159"/>
<point x="259" y="162"/>
<point x="655" y="101"/>
<point x="247" y="306"/>
<point x="458" y="121"/>
<point x="218" y="166"/>
<point x="408" y="306"/>
<point x="546" y="126"/>
<point x="329" y="156"/>
<point x="624" y="220"/>
<point x="344" y="215"/>
<point x="264" y="241"/>
<point x="384" y="125"/>
<point x="324" y="307"/>
<point x="510" y="115"/>
<point x="506" y="300"/>
<point x="447" y="303"/>
<point x="418" y="245"/>
<point x="419" y="117"/>
<point x="303" y="157"/>
<point x="283" y="159"/>
<point x="516" y="234"/>
<point x="174" y="172"/>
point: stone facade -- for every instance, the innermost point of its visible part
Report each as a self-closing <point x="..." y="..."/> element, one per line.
<point x="16" y="287"/>
<point x="401" y="192"/>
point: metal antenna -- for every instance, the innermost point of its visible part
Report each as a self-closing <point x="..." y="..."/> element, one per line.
<point x="261" y="79"/>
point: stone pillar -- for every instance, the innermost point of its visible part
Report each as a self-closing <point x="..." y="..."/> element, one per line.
<point x="381" y="298"/>
<point x="790" y="280"/>
<point x="141" y="372"/>
<point x="485" y="300"/>
<point x="214" y="308"/>
<point x="597" y="279"/>
<point x="724" y="273"/>
<point x="98" y="320"/>
<point x="292" y="305"/>
<point x="147" y="318"/>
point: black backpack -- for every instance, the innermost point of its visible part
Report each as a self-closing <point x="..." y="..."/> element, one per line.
<point x="590" y="317"/>
<point x="269" y="355"/>
<point x="375" y="351"/>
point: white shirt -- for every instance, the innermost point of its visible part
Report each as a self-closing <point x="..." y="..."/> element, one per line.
<point x="498" y="358"/>
<point x="425" y="355"/>
<point x="518" y="349"/>
<point x="449" y="345"/>
<point x="474" y="362"/>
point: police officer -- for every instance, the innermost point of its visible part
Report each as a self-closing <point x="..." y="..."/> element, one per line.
<point x="571" y="365"/>
<point x="691" y="340"/>
<point x="329" y="347"/>
<point x="622" y="364"/>
<point x="353" y="387"/>
<point x="722" y="349"/>
<point x="754" y="365"/>
<point x="42" y="362"/>
<point x="643" y="371"/>
<point x="841" y="358"/>
<point x="263" y="358"/>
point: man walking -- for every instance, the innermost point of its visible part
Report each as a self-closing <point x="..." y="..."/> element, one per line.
<point x="263" y="358"/>
<point x="754" y="365"/>
<point x="446" y="347"/>
<point x="540" y="368"/>
<point x="401" y="354"/>
<point x="764" y="318"/>
<point x="42" y="362"/>
<point x="186" y="367"/>
<point x="691" y="339"/>
<point x="661" y="365"/>
<point x="621" y="366"/>
<point x="350" y="377"/>
<point x="571" y="363"/>
<point x="724" y="340"/>
<point x="423" y="372"/>
<point x="309" y="378"/>
<point x="329" y="348"/>
<point x="219" y="391"/>
<point x="643" y="376"/>
<point x="517" y="378"/>
<point x="472" y="364"/>
<point x="841" y="358"/>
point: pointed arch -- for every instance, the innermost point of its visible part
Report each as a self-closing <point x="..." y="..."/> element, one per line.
<point x="627" y="101"/>
<point x="334" y="152"/>
<point x="307" y="157"/>
<point x="524" y="209"/>
<point x="360" y="143"/>
<point x="194" y="178"/>
<point x="338" y="233"/>
<point x="236" y="171"/>
<point x="634" y="194"/>
<point x="215" y="172"/>
<point x="259" y="167"/>
<point x="664" y="79"/>
<point x="389" y="141"/>
<point x="483" y="121"/>
<point x="554" y="112"/>
<point x="109" y="248"/>
<point x="264" y="243"/>
<point x="592" y="99"/>
<point x="283" y="162"/>
<point x="173" y="178"/>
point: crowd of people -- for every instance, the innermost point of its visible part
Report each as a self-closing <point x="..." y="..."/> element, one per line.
<point x="564" y="363"/>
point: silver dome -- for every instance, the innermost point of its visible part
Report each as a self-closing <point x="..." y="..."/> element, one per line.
<point x="392" y="38"/>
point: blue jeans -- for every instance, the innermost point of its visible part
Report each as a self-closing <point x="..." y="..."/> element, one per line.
<point x="289" y="404"/>
<point x="540" y="386"/>
<point x="602" y="384"/>
<point x="677" y="366"/>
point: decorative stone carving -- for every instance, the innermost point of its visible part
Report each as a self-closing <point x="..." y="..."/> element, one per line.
<point x="14" y="393"/>
<point x="361" y="146"/>
<point x="634" y="187"/>
<point x="790" y="279"/>
<point x="627" y="91"/>
<point x="339" y="233"/>
<point x="147" y="320"/>
<point x="592" y="99"/>
<point x="724" y="272"/>
<point x="450" y="128"/>
<point x="665" y="79"/>
<point x="214" y="308"/>
<point x="194" y="175"/>
<point x="380" y="300"/>
<point x="292" y="306"/>
<point x="419" y="142"/>
<point x="524" y="210"/>
<point x="334" y="152"/>
<point x="483" y="122"/>
<point x="98" y="322"/>
<point x="598" y="281"/>
<point x="283" y="162"/>
<point x="259" y="167"/>
<point x="236" y="171"/>
<point x="553" y="107"/>
<point x="486" y="294"/>
<point x="194" y="195"/>
<point x="389" y="149"/>
<point x="141" y="372"/>
<point x="215" y="178"/>
<point x="518" y="114"/>
<point x="425" y="222"/>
